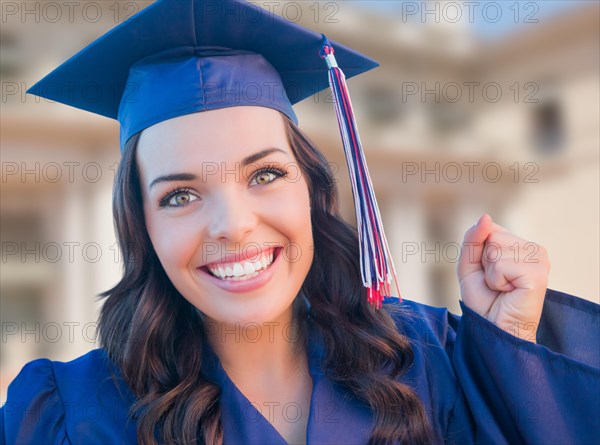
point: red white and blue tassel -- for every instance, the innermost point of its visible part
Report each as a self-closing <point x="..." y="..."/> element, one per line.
<point x="377" y="266"/>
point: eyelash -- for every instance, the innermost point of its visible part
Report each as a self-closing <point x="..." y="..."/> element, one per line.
<point x="280" y="173"/>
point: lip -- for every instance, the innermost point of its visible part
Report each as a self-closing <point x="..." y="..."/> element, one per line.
<point x="247" y="285"/>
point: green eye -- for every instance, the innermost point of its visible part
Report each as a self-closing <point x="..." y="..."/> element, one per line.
<point x="181" y="198"/>
<point x="268" y="175"/>
<point x="178" y="198"/>
<point x="265" y="177"/>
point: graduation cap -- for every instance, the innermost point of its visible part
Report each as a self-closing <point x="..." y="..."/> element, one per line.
<point x="178" y="57"/>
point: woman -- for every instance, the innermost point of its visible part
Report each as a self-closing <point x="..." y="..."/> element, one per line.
<point x="241" y="316"/>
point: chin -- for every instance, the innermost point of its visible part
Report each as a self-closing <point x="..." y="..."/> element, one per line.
<point x="257" y="315"/>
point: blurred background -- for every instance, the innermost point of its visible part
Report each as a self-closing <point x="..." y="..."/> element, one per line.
<point x="476" y="107"/>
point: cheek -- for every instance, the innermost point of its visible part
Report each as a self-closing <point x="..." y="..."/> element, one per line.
<point x="292" y="217"/>
<point x="173" y="241"/>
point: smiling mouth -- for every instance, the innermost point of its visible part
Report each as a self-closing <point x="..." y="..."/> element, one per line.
<point x="243" y="270"/>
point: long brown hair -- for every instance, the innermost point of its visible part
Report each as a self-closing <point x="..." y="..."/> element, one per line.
<point x="151" y="331"/>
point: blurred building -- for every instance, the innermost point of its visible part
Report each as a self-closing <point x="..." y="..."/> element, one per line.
<point x="452" y="127"/>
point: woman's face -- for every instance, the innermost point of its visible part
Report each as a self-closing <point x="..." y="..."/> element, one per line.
<point x="213" y="206"/>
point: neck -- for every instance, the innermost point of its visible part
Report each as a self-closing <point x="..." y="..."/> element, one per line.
<point x="266" y="354"/>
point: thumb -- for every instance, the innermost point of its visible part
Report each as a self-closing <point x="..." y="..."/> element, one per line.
<point x="471" y="251"/>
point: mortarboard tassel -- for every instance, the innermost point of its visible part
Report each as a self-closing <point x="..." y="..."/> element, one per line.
<point x="377" y="266"/>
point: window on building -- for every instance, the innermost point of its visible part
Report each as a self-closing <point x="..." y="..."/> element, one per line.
<point x="548" y="127"/>
<point x="383" y="106"/>
<point x="9" y="59"/>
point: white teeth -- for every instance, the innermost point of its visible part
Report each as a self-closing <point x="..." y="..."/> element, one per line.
<point x="245" y="268"/>
<point x="248" y="268"/>
<point x="238" y="270"/>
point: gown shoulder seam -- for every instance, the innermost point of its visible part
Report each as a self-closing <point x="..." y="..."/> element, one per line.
<point x="451" y="414"/>
<point x="65" y="439"/>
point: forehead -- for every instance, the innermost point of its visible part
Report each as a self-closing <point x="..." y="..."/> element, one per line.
<point x="224" y="136"/>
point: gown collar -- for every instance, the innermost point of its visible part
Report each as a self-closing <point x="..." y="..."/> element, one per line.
<point x="336" y="416"/>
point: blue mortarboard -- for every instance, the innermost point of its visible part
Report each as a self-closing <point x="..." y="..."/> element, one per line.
<point x="177" y="57"/>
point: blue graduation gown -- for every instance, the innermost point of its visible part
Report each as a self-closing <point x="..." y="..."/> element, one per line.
<point x="479" y="385"/>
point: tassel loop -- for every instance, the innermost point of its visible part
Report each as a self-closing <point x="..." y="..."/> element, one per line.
<point x="326" y="52"/>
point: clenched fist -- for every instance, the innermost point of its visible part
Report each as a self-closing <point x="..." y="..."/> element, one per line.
<point x="503" y="277"/>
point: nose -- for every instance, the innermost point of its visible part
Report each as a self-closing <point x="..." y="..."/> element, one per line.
<point x="232" y="218"/>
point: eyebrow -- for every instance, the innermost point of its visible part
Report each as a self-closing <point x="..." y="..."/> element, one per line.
<point x="191" y="176"/>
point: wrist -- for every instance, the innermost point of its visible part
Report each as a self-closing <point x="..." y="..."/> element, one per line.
<point x="523" y="330"/>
